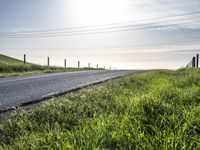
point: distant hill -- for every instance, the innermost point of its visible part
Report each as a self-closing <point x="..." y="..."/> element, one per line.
<point x="9" y="64"/>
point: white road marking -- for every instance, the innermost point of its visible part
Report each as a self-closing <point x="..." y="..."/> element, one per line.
<point x="47" y="95"/>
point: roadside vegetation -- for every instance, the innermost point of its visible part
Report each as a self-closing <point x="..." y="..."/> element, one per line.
<point x="149" y="110"/>
<point x="12" y="67"/>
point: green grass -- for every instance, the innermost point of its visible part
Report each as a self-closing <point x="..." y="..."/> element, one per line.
<point x="11" y="67"/>
<point x="152" y="110"/>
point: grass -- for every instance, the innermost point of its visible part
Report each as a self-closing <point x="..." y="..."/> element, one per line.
<point x="12" y="67"/>
<point x="151" y="110"/>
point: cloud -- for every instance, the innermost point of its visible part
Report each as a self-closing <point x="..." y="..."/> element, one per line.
<point x="160" y="8"/>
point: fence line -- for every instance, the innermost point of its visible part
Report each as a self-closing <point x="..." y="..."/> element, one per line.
<point x="65" y="63"/>
<point x="194" y="62"/>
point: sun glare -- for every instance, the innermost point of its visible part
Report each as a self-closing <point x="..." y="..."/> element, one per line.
<point x="89" y="12"/>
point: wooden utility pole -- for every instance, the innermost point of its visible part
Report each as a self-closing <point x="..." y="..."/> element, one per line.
<point x="24" y="58"/>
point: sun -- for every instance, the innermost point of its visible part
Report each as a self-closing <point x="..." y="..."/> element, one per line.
<point x="93" y="12"/>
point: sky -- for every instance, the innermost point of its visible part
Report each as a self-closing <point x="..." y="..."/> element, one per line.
<point x="122" y="34"/>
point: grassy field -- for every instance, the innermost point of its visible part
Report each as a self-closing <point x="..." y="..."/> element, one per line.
<point x="152" y="110"/>
<point x="12" y="67"/>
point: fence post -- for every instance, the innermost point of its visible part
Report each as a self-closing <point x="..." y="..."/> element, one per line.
<point x="24" y="58"/>
<point x="197" y="61"/>
<point x="193" y="62"/>
<point x="48" y="61"/>
<point x="65" y="63"/>
<point x="78" y="64"/>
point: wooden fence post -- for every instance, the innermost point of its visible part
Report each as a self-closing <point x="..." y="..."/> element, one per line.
<point x="48" y="59"/>
<point x="24" y="58"/>
<point x="65" y="63"/>
<point x="193" y="62"/>
<point x="197" y="61"/>
<point x="78" y="64"/>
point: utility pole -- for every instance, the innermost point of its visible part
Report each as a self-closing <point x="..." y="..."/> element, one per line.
<point x="89" y="65"/>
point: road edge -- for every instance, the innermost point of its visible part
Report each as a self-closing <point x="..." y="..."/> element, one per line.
<point x="52" y="95"/>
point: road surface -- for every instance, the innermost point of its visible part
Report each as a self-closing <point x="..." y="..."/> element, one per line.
<point x="23" y="90"/>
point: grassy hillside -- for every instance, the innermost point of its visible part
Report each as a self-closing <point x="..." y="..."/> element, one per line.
<point x="10" y="66"/>
<point x="152" y="110"/>
<point x="9" y="60"/>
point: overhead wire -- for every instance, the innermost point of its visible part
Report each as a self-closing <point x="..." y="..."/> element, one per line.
<point x="52" y="33"/>
<point x="57" y="29"/>
<point x="108" y="28"/>
<point x="102" y="31"/>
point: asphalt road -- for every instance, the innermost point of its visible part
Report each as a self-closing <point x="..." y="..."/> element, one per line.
<point x="23" y="90"/>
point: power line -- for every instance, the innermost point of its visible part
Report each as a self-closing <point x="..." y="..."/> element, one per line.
<point x="94" y="32"/>
<point x="78" y="31"/>
<point x="86" y="27"/>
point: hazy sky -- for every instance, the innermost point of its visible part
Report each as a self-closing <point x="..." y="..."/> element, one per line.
<point x="126" y="34"/>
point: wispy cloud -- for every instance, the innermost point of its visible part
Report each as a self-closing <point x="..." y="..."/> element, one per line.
<point x="161" y="8"/>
